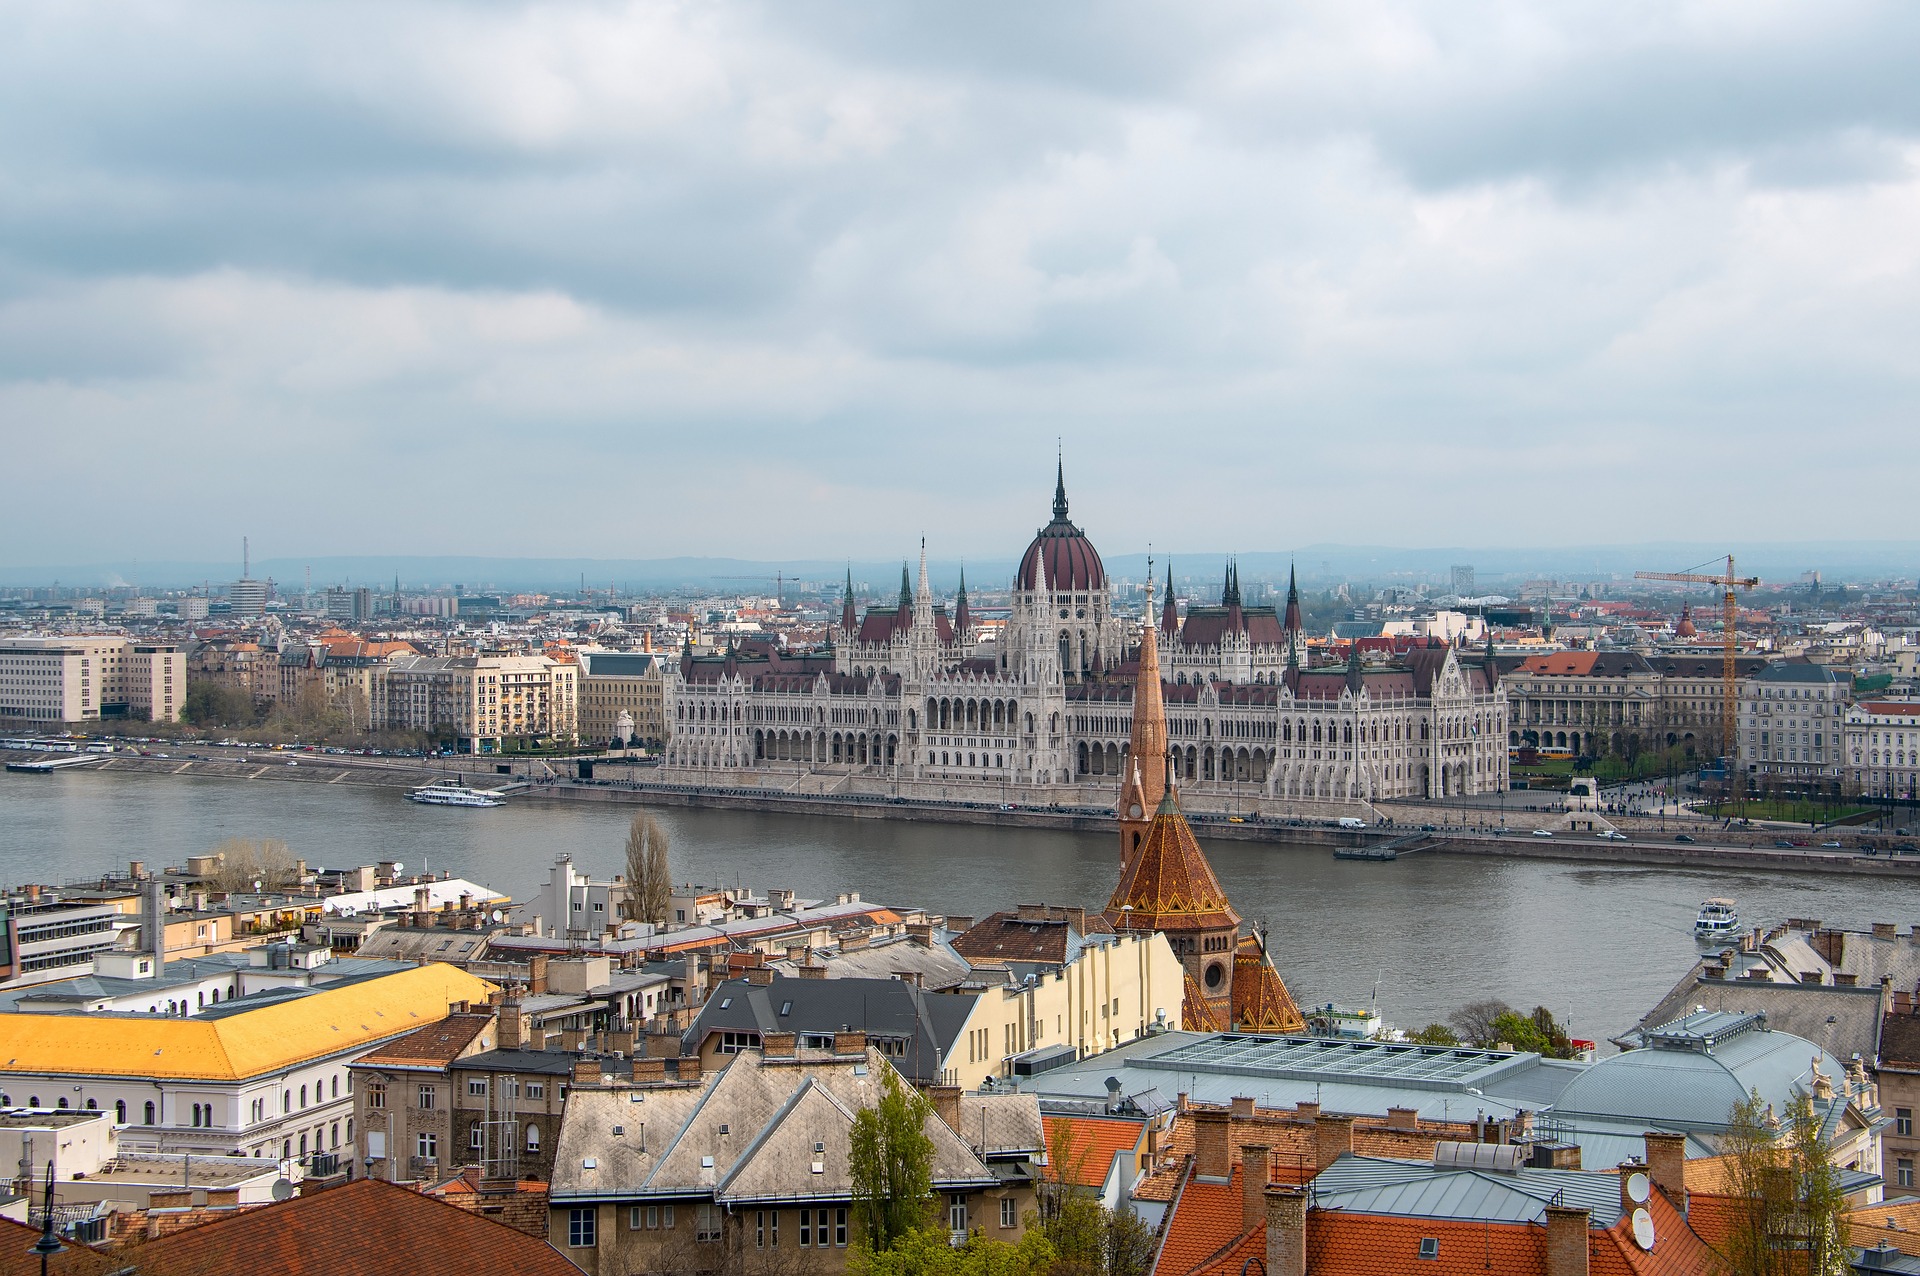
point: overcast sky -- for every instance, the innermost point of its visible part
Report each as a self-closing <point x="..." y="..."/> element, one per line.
<point x="805" y="278"/>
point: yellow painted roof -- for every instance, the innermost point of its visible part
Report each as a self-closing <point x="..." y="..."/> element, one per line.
<point x="239" y="1045"/>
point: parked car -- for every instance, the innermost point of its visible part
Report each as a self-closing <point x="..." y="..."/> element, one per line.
<point x="1783" y="842"/>
<point x="1541" y="833"/>
<point x="1830" y="846"/>
<point x="1682" y="837"/>
<point x="1613" y="835"/>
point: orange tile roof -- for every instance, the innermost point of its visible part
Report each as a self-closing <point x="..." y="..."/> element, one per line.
<point x="1168" y="884"/>
<point x="1091" y="1143"/>
<point x="1261" y="1002"/>
<point x="1205" y="1218"/>
<point x="1342" y="1244"/>
<point x="1897" y="1222"/>
<point x="1677" y="1249"/>
<point x="366" y="1227"/>
<point x="78" y="1260"/>
<point x="1289" y="1138"/>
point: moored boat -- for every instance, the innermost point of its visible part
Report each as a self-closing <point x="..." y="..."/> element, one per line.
<point x="453" y="793"/>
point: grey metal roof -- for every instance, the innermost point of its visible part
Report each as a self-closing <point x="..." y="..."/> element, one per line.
<point x="619" y="664"/>
<point x="1320" y="1058"/>
<point x="1421" y="1189"/>
<point x="928" y="1023"/>
<point x="1695" y="1070"/>
<point x="1794" y="671"/>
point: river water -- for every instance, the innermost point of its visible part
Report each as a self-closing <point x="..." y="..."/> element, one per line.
<point x="1595" y="942"/>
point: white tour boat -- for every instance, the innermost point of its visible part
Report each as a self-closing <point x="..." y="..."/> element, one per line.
<point x="1716" y="921"/>
<point x="453" y="793"/>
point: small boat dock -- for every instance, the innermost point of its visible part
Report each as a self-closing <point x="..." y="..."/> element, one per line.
<point x="43" y="766"/>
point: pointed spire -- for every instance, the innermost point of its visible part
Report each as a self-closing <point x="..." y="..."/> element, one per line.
<point x="847" y="619"/>
<point x="1060" y="490"/>
<point x="1143" y="790"/>
<point x="1291" y="621"/>
<point x="923" y="594"/>
<point x="962" y="618"/>
<point x="1169" y="609"/>
<point x="1353" y="666"/>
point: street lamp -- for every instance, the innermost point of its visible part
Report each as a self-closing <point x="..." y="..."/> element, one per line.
<point x="48" y="1245"/>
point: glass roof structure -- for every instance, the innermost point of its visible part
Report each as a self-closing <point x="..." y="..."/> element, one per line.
<point x="1395" y="1063"/>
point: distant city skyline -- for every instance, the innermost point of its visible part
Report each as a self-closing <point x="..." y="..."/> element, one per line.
<point x="622" y="281"/>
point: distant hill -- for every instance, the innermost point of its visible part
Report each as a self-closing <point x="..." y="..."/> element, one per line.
<point x="1318" y="566"/>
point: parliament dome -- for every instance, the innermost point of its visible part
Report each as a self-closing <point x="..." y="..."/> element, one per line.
<point x="1061" y="558"/>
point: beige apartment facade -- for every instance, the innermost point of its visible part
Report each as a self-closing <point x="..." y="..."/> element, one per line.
<point x="85" y="679"/>
<point x="483" y="701"/>
<point x="623" y="698"/>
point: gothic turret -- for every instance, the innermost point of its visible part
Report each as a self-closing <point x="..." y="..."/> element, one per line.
<point x="1169" y="610"/>
<point x="848" y="621"/>
<point x="962" y="618"/>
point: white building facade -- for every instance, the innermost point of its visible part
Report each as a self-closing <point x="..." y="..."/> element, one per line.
<point x="1883" y="748"/>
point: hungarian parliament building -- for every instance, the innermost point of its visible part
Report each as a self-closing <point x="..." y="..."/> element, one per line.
<point x="912" y="701"/>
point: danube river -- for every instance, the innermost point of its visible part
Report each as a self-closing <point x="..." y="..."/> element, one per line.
<point x="1599" y="943"/>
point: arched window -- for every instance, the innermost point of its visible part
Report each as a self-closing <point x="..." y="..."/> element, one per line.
<point x="119" y="1110"/>
<point x="63" y="1100"/>
<point x="149" y="1120"/>
<point x="533" y="1137"/>
<point x="303" y="1096"/>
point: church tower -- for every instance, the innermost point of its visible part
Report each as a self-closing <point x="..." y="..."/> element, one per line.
<point x="1145" y="782"/>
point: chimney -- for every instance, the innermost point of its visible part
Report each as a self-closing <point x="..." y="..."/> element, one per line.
<point x="537" y="974"/>
<point x="687" y="1067"/>
<point x="1403" y="1118"/>
<point x="1254" y="1169"/>
<point x="1667" y="1166"/>
<point x="1332" y="1139"/>
<point x="1286" y="1231"/>
<point x="586" y="1073"/>
<point x="946" y="1104"/>
<point x="778" y="1045"/>
<point x="760" y="976"/>
<point x="1241" y="1105"/>
<point x="649" y="1071"/>
<point x="1030" y="912"/>
<point x="513" y="1026"/>
<point x="849" y="1043"/>
<point x="920" y="934"/>
<point x="422" y="899"/>
<point x="1567" y="1240"/>
<point x="1884" y="930"/>
<point x="959" y="925"/>
<point x="223" y="1197"/>
<point x="1902" y="1003"/>
<point x="1306" y="1110"/>
<point x="1211" y="1157"/>
<point x="813" y="971"/>
<point x="157" y="925"/>
<point x="171" y="1199"/>
<point x="797" y="953"/>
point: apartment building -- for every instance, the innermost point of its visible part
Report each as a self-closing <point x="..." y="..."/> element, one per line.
<point x="82" y="679"/>
<point x="483" y="701"/>
<point x="1883" y="748"/>
<point x="623" y="697"/>
<point x="1792" y="726"/>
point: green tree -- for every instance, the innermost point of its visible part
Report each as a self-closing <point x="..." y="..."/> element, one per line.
<point x="928" y="1251"/>
<point x="1537" y="1032"/>
<point x="892" y="1163"/>
<point x="1792" y="1214"/>
<point x="649" y="880"/>
<point x="1435" y="1034"/>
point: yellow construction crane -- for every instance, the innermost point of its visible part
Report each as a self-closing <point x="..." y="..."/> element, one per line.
<point x="1730" y="614"/>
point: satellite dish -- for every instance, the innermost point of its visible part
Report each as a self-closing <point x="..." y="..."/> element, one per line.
<point x="1638" y="1188"/>
<point x="1643" y="1228"/>
<point x="398" y="867"/>
<point x="499" y="916"/>
<point x="282" y="1189"/>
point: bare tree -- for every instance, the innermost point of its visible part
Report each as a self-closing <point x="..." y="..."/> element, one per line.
<point x="649" y="880"/>
<point x="244" y="861"/>
<point x="1474" y="1021"/>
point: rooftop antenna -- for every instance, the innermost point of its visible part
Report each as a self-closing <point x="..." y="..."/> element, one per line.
<point x="246" y="560"/>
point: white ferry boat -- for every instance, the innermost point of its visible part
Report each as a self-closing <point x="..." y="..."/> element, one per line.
<point x="1716" y="921"/>
<point x="1350" y="1023"/>
<point x="453" y="793"/>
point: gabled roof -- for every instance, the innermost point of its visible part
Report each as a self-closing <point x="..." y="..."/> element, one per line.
<point x="366" y="1227"/>
<point x="78" y="1260"/>
<point x="1261" y="1002"/>
<point x="746" y="1133"/>
<point x="928" y="1023"/>
<point x="1090" y="1145"/>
